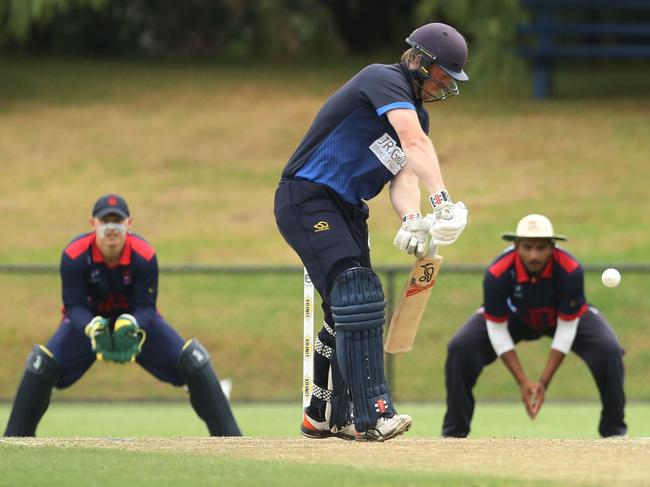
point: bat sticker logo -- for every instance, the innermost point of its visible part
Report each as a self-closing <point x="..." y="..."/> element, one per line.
<point x="415" y="288"/>
<point x="424" y="282"/>
<point x="428" y="270"/>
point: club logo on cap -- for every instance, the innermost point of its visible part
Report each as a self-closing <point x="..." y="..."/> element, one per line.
<point x="532" y="225"/>
<point x="112" y="200"/>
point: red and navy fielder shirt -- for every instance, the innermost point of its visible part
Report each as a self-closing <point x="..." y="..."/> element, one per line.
<point x="91" y="287"/>
<point x="509" y="293"/>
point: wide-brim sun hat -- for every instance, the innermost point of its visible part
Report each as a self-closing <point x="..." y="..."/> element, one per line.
<point x="533" y="226"/>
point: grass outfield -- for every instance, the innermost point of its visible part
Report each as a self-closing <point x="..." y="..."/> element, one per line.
<point x="164" y="444"/>
<point x="254" y="323"/>
<point x="558" y="420"/>
<point x="197" y="149"/>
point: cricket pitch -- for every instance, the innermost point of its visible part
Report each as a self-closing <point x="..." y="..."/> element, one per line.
<point x="606" y="462"/>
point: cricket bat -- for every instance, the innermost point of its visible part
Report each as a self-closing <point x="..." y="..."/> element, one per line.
<point x="413" y="301"/>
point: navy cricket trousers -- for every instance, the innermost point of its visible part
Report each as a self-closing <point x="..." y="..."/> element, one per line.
<point x="73" y="353"/>
<point x="329" y="234"/>
<point x="470" y="350"/>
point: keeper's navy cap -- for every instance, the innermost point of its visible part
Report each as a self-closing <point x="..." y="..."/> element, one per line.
<point x="111" y="203"/>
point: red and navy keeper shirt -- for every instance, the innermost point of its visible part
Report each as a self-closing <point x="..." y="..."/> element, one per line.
<point x="91" y="287"/>
<point x="510" y="294"/>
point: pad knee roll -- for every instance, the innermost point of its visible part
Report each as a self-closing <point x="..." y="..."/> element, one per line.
<point x="357" y="300"/>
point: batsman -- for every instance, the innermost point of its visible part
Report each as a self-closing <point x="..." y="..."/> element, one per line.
<point x="370" y="132"/>
<point x="109" y="279"/>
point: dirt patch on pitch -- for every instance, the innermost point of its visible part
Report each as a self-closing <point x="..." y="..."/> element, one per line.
<point x="590" y="462"/>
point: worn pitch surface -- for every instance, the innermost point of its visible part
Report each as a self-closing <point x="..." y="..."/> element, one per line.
<point x="611" y="462"/>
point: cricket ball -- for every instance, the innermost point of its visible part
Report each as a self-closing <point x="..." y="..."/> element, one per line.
<point x="611" y="277"/>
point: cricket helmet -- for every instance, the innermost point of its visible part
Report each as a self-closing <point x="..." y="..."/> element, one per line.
<point x="444" y="46"/>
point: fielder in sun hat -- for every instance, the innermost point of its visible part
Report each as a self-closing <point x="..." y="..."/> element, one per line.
<point x="533" y="226"/>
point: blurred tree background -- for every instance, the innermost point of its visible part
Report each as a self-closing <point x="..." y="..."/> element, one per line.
<point x="245" y="29"/>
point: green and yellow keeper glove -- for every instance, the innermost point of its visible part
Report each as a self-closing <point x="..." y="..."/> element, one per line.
<point x="128" y="339"/>
<point x="100" y="337"/>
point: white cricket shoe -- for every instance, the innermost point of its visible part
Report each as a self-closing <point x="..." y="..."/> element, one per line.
<point x="311" y="428"/>
<point x="386" y="428"/>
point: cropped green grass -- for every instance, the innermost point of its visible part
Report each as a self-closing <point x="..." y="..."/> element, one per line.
<point x="252" y="326"/>
<point x="197" y="150"/>
<point x="557" y="419"/>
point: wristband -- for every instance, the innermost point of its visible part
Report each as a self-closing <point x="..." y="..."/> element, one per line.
<point x="439" y="198"/>
<point x="409" y="217"/>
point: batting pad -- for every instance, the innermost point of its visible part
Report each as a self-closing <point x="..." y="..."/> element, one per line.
<point x="358" y="308"/>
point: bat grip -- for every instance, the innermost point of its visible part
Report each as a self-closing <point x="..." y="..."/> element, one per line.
<point x="433" y="248"/>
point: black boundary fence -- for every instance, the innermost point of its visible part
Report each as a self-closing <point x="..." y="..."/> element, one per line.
<point x="392" y="276"/>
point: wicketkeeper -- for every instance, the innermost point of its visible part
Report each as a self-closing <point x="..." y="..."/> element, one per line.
<point x="372" y="131"/>
<point x="110" y="283"/>
<point x="534" y="289"/>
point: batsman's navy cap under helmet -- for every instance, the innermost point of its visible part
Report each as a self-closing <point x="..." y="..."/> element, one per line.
<point x="111" y="203"/>
<point x="445" y="45"/>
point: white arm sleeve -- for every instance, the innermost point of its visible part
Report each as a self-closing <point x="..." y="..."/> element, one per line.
<point x="565" y="333"/>
<point x="499" y="337"/>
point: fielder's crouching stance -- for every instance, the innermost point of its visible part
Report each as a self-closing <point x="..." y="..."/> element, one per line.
<point x="110" y="284"/>
<point x="371" y="132"/>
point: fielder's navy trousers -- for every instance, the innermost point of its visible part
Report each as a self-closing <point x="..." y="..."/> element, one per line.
<point x="470" y="350"/>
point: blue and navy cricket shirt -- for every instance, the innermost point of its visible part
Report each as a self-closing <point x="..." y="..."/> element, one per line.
<point x="351" y="146"/>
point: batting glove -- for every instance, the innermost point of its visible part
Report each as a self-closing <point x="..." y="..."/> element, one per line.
<point x="100" y="337"/>
<point x="412" y="235"/>
<point x="128" y="338"/>
<point x="450" y="220"/>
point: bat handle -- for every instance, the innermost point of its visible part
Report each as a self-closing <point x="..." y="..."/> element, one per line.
<point x="433" y="248"/>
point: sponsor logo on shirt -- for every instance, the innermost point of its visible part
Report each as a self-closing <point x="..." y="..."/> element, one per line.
<point x="389" y="153"/>
<point x="95" y="276"/>
<point x="321" y="226"/>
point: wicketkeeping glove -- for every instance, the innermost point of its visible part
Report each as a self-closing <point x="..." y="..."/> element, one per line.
<point x="128" y="338"/>
<point x="412" y="235"/>
<point x="100" y="337"/>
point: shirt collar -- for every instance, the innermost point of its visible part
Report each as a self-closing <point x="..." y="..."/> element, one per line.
<point x="98" y="257"/>
<point x="522" y="273"/>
